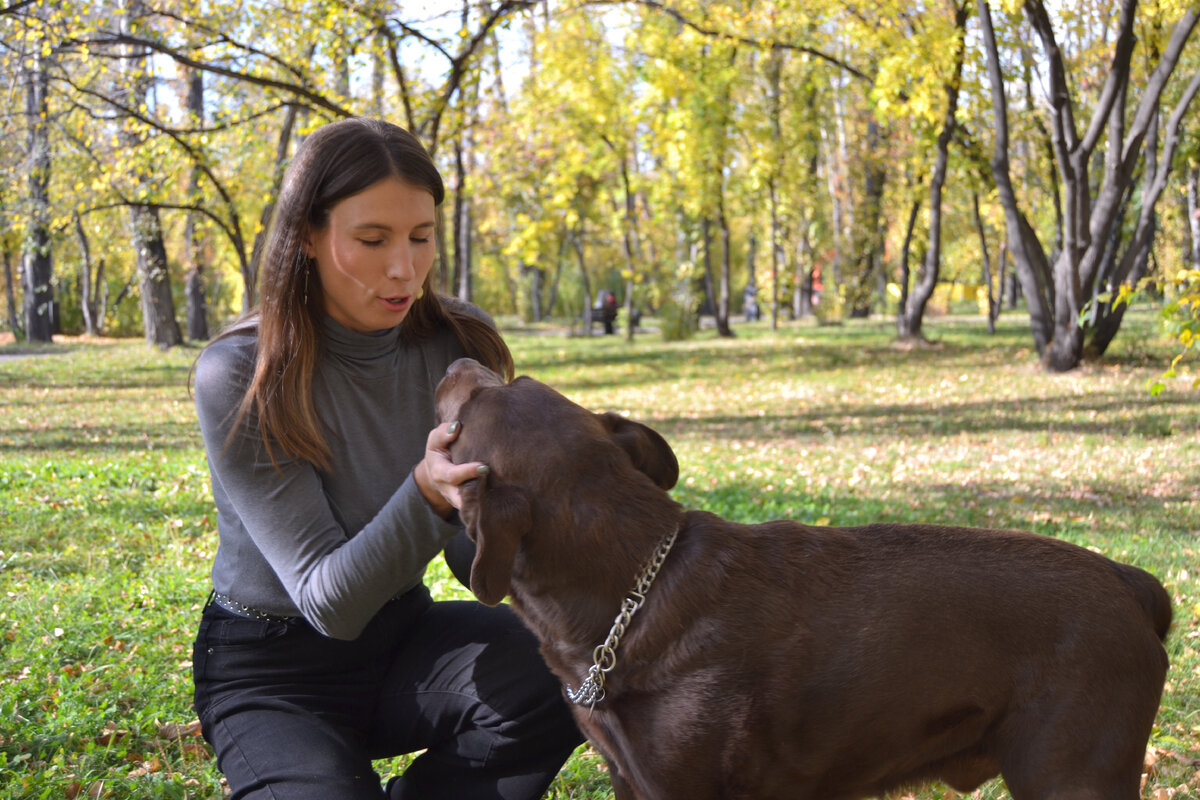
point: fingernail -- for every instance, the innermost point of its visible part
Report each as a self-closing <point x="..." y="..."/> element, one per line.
<point x="453" y="429"/>
<point x="482" y="469"/>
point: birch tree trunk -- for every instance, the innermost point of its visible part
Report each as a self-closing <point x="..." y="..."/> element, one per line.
<point x="1193" y="212"/>
<point x="195" y="304"/>
<point x="37" y="265"/>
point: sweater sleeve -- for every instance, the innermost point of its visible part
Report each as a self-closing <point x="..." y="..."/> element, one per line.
<point x="280" y="514"/>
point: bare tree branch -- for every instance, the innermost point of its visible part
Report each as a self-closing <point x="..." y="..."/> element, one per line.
<point x="223" y="37"/>
<point x="299" y="91"/>
<point x="15" y="7"/>
<point x="458" y="66"/>
<point x="1158" y="81"/>
<point x="752" y="42"/>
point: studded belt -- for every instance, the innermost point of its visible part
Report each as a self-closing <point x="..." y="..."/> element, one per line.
<point x="240" y="609"/>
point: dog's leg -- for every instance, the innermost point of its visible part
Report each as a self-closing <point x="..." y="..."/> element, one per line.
<point x="1049" y="766"/>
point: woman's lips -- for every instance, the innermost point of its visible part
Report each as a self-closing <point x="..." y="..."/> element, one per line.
<point x="396" y="302"/>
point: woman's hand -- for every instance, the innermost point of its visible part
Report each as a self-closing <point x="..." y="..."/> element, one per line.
<point x="439" y="478"/>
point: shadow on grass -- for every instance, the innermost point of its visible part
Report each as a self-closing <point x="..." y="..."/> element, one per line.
<point x="1108" y="414"/>
<point x="65" y="439"/>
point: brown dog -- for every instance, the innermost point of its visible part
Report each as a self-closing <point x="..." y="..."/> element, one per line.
<point x="787" y="661"/>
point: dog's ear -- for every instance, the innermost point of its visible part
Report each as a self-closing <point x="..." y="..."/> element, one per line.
<point x="497" y="516"/>
<point x="648" y="450"/>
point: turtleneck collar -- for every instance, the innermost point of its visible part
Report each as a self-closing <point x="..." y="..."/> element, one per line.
<point x="357" y="347"/>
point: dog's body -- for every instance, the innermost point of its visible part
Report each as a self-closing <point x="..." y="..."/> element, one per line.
<point x="787" y="661"/>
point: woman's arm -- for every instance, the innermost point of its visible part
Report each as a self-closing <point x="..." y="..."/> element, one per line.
<point x="279" y="513"/>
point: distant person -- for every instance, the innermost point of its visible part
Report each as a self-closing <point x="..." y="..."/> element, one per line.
<point x="606" y="305"/>
<point x="320" y="648"/>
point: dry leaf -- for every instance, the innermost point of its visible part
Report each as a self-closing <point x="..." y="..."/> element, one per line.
<point x="179" y="730"/>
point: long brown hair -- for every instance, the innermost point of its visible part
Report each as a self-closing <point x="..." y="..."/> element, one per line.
<point x="336" y="161"/>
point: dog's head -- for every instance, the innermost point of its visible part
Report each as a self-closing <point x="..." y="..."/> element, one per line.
<point x="543" y="452"/>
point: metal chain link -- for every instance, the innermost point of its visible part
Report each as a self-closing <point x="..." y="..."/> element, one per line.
<point x="604" y="657"/>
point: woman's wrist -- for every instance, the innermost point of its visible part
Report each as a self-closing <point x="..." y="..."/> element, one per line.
<point x="440" y="505"/>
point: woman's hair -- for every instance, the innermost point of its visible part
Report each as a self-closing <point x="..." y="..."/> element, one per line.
<point x="336" y="161"/>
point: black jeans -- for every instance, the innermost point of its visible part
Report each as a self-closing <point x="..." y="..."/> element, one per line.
<point x="295" y="715"/>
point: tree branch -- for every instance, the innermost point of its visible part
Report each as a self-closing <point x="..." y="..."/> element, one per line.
<point x="15" y="7"/>
<point x="458" y="66"/>
<point x="221" y="36"/>
<point x="301" y="92"/>
<point x="1157" y="82"/>
<point x="1118" y="76"/>
<point x="752" y="42"/>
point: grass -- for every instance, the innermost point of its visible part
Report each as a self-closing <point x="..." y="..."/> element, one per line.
<point x="107" y="529"/>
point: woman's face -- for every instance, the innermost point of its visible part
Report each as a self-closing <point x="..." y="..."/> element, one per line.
<point x="373" y="254"/>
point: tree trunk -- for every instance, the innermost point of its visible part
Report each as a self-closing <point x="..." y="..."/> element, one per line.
<point x="250" y="270"/>
<point x="91" y="284"/>
<point x="776" y="258"/>
<point x="710" y="294"/>
<point x="912" y="313"/>
<point x="1088" y="221"/>
<point x="552" y="299"/>
<point x="195" y="304"/>
<point x="1032" y="270"/>
<point x="535" y="291"/>
<point x="750" y="293"/>
<point x="10" y="293"/>
<point x="584" y="281"/>
<point x="150" y="252"/>
<point x="1193" y="212"/>
<point x="840" y="211"/>
<point x="869" y="234"/>
<point x="905" y="273"/>
<point x="775" y="97"/>
<point x="987" y="264"/>
<point x="723" y="328"/>
<point x="1134" y="263"/>
<point x="802" y="295"/>
<point x="37" y="265"/>
<point x="631" y="241"/>
<point x="462" y="223"/>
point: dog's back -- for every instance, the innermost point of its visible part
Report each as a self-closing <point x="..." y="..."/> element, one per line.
<point x="894" y="654"/>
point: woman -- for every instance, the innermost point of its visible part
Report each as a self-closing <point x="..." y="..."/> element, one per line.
<point x="320" y="648"/>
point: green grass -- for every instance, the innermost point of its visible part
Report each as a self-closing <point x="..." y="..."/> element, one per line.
<point x="107" y="529"/>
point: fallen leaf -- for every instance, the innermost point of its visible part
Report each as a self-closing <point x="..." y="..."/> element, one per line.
<point x="179" y="730"/>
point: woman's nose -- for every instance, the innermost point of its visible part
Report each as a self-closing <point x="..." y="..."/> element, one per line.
<point x="400" y="264"/>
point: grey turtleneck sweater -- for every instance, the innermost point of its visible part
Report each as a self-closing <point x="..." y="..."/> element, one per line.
<point x="330" y="546"/>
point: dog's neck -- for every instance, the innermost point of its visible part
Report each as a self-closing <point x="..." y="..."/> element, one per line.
<point x="573" y="575"/>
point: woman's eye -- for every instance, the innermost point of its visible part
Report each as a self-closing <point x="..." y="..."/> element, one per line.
<point x="419" y="239"/>
<point x="371" y="242"/>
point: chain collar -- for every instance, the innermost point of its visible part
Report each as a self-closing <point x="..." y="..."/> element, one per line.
<point x="591" y="691"/>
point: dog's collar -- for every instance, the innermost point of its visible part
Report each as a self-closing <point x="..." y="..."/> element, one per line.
<point x="591" y="691"/>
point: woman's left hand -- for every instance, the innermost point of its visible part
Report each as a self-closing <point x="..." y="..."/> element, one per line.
<point x="439" y="478"/>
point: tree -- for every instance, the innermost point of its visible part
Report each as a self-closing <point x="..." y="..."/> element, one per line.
<point x="912" y="312"/>
<point x="195" y="258"/>
<point x="1058" y="290"/>
<point x="37" y="262"/>
<point x="158" y="304"/>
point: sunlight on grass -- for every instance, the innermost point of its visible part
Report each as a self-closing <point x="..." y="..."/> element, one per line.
<point x="108" y="528"/>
